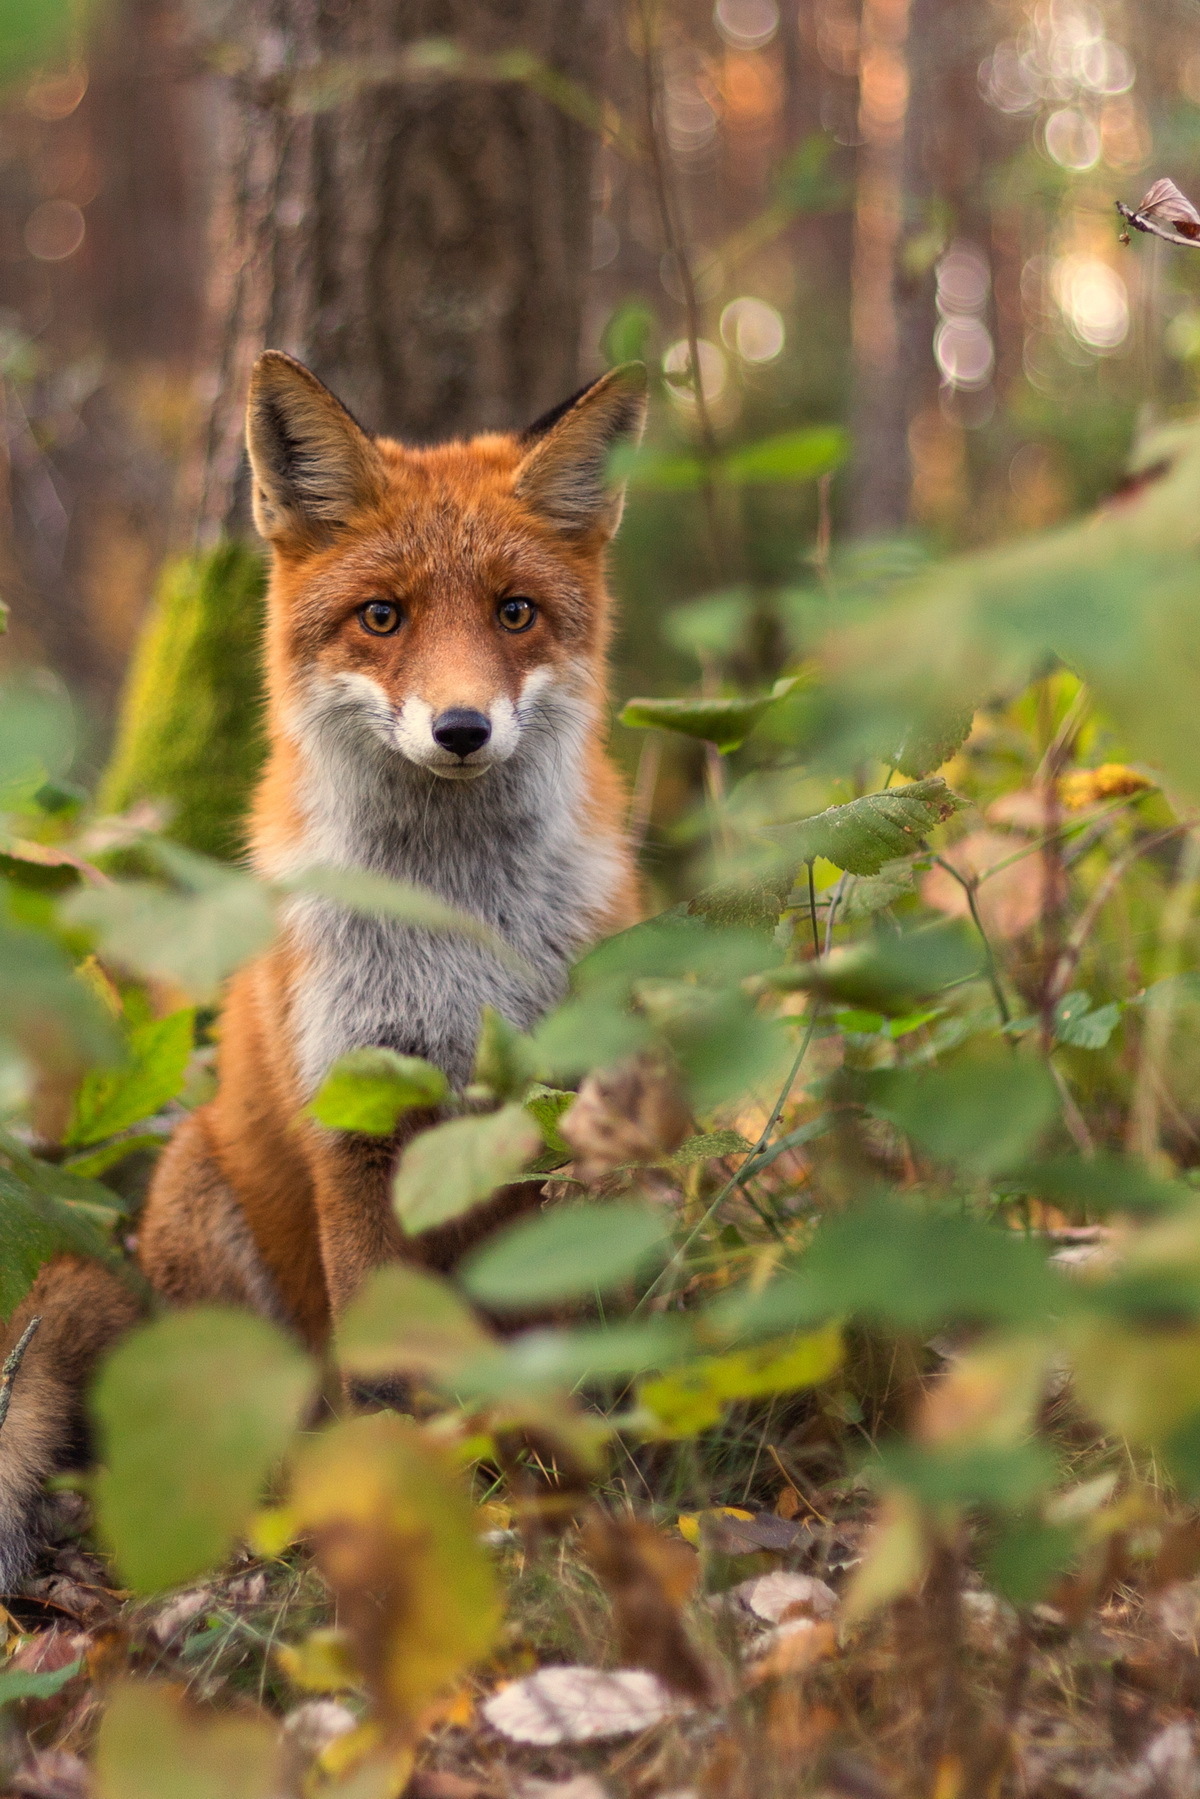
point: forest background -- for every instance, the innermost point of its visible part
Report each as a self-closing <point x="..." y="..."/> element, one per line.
<point x="857" y="1450"/>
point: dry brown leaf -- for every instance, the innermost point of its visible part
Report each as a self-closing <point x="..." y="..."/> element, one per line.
<point x="791" y="1648"/>
<point x="631" y="1113"/>
<point x="648" y="1577"/>
<point x="580" y="1705"/>
<point x="782" y="1595"/>
<point x="1009" y="902"/>
<point x="52" y="1775"/>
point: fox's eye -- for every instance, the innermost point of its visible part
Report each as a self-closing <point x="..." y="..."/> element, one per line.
<point x="516" y="614"/>
<point x="379" y="617"/>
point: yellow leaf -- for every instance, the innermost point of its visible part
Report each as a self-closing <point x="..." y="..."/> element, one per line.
<point x="272" y="1530"/>
<point x="322" y="1663"/>
<point x="395" y="1537"/>
<point x="692" y="1398"/>
<point x="1112" y="780"/>
<point x="689" y="1524"/>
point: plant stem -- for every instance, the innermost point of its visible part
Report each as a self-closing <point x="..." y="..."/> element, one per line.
<point x="11" y="1368"/>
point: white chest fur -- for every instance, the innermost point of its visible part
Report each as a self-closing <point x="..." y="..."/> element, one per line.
<point x="510" y="848"/>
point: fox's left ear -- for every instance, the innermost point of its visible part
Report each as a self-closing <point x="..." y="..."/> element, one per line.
<point x="564" y="476"/>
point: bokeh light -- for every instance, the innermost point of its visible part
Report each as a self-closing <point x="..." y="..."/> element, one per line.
<point x="54" y="230"/>
<point x="753" y="328"/>
<point x="677" y="368"/>
<point x="1093" y="301"/>
<point x="1072" y="139"/>
<point x="746" y="24"/>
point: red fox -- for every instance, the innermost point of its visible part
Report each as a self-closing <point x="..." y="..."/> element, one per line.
<point x="436" y="651"/>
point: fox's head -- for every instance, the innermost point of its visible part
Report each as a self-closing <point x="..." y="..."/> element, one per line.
<point x="448" y="601"/>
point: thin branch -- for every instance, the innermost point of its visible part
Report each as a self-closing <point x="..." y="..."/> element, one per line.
<point x="969" y="885"/>
<point x="1068" y="961"/>
<point x="812" y="912"/>
<point x="11" y="1368"/>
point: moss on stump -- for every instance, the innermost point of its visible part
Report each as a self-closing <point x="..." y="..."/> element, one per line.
<point x="190" y="732"/>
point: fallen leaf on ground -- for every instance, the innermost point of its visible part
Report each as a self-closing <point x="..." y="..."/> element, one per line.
<point x="778" y="1596"/>
<point x="172" y="1618"/>
<point x="53" y="1774"/>
<point x="583" y="1786"/>
<point x="791" y="1648"/>
<point x="579" y="1705"/>
<point x="731" y="1531"/>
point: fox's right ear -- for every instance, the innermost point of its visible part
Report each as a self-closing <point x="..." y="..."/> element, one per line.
<point x="313" y="465"/>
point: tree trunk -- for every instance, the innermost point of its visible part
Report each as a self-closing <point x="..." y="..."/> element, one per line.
<point x="422" y="244"/>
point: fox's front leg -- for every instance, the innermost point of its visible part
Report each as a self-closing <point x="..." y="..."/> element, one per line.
<point x="356" y="1225"/>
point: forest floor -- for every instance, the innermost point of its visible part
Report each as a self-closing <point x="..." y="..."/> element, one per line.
<point x="955" y="1696"/>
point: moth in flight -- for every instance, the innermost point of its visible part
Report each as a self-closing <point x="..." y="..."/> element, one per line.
<point x="1165" y="213"/>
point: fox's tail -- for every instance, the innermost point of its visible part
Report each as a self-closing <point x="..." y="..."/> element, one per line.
<point x="83" y="1311"/>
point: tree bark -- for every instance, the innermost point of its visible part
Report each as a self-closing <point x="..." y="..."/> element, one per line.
<point x="422" y="245"/>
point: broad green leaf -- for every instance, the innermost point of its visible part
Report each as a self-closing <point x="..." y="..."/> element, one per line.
<point x="932" y="741"/>
<point x="194" y="1412"/>
<point x="984" y="1113"/>
<point x="1077" y="1024"/>
<point x="193" y="937"/>
<point x="112" y="1100"/>
<point x="395" y="1536"/>
<point x="789" y="456"/>
<point x="567" y="1253"/>
<point x="906" y="1269"/>
<point x="447" y="1170"/>
<point x="1141" y="1382"/>
<point x="1025" y="1556"/>
<point x="94" y="1162"/>
<point x="404" y="1321"/>
<point x="727" y="723"/>
<point x="868" y="894"/>
<point x="504" y="1057"/>
<point x="546" y="1106"/>
<point x="693" y="1397"/>
<point x="885" y="974"/>
<point x="35" y="1226"/>
<point x="706" y="1146"/>
<point x="153" y="1745"/>
<point x="37" y="727"/>
<point x="368" y="1090"/>
<point x="18" y="1683"/>
<point x="47" y="1012"/>
<point x="1007" y="1477"/>
<point x="864" y="834"/>
<point x="1104" y="1183"/>
<point x="540" y="1361"/>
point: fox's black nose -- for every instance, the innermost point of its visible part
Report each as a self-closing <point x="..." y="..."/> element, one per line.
<point x="461" y="731"/>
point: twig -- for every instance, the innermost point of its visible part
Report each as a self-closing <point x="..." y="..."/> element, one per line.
<point x="1068" y="961"/>
<point x="969" y="884"/>
<point x="812" y="912"/>
<point x="641" y="805"/>
<point x="1142" y="1133"/>
<point x="1073" y="1118"/>
<point x="12" y="1364"/>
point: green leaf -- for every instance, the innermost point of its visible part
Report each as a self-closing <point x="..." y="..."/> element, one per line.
<point x="546" y="1106"/>
<point x="545" y="1360"/>
<point x="48" y="1013"/>
<point x="368" y="1090"/>
<point x="864" y="834"/>
<point x="1076" y="1024"/>
<point x="868" y="894"/>
<point x="887" y="973"/>
<point x="567" y="1253"/>
<point x="34" y="1227"/>
<point x="152" y="1746"/>
<point x="707" y="1146"/>
<point x="404" y="1321"/>
<point x="984" y="1113"/>
<point x="17" y="1683"/>
<point x="192" y="937"/>
<point x="115" y="1099"/>
<point x="1105" y="1183"/>
<point x="504" y="1057"/>
<point x="1025" y="1556"/>
<point x="932" y="741"/>
<point x="194" y="1412"/>
<point x="32" y="32"/>
<point x="907" y="1270"/>
<point x="1005" y="1476"/>
<point x="788" y="457"/>
<point x="95" y="1162"/>
<point x="447" y="1170"/>
<point x="727" y="723"/>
